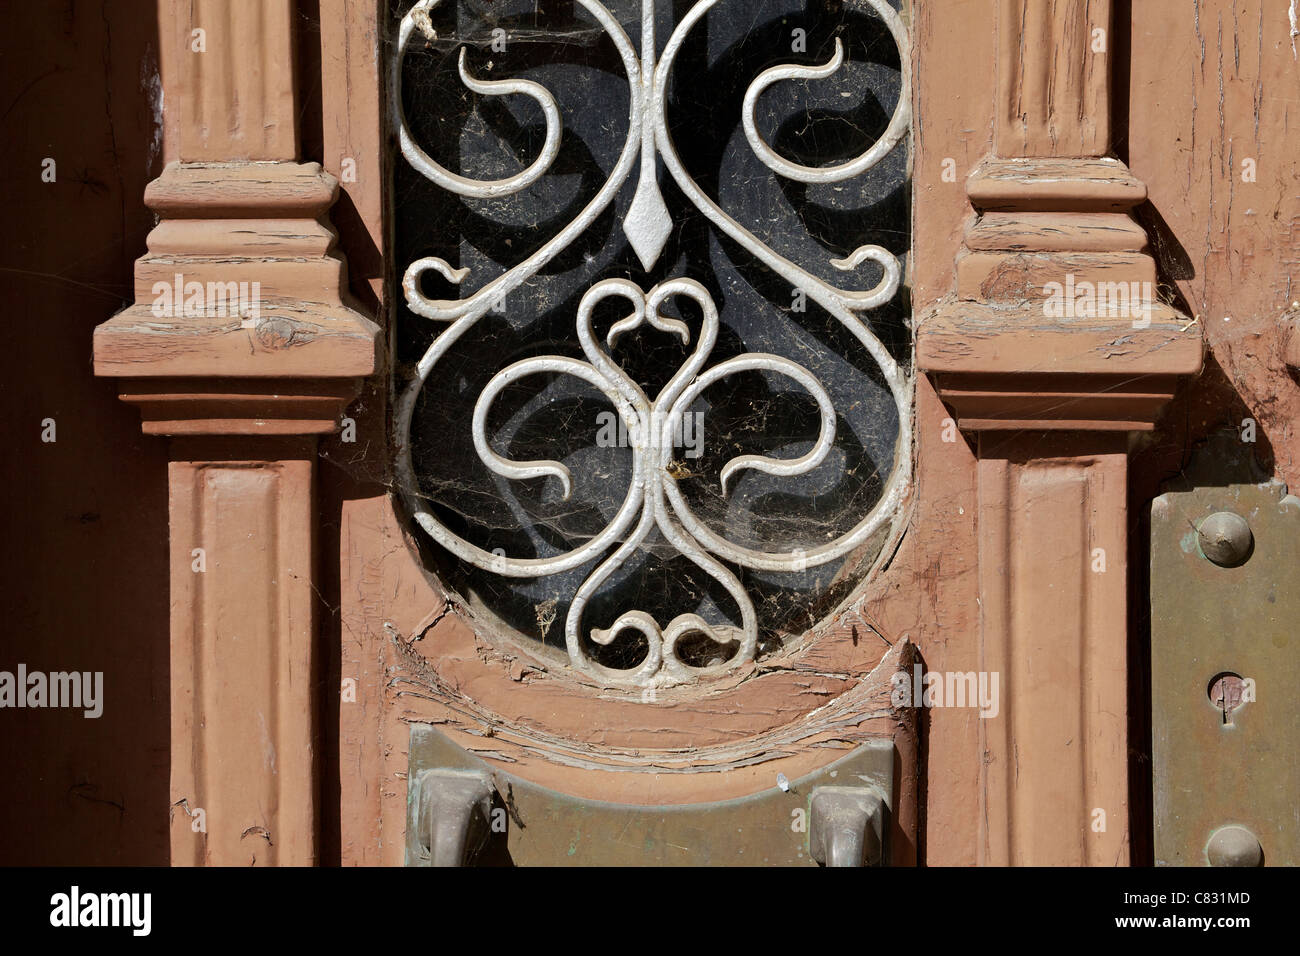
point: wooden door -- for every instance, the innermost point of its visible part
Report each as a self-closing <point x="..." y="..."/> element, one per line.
<point x="1074" y="222"/>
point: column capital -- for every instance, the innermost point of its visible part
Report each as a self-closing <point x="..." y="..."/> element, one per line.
<point x="240" y="281"/>
<point x="1056" y="319"/>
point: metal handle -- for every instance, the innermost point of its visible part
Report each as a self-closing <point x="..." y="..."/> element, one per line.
<point x="846" y="826"/>
<point x="454" y="810"/>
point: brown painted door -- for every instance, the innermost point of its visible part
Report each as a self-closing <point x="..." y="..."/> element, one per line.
<point x="1047" y="340"/>
<point x="751" y="453"/>
<point x="785" y="178"/>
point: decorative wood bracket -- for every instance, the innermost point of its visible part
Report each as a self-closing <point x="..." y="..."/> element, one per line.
<point x="1055" y="323"/>
<point x="242" y="345"/>
<point x="1053" y="346"/>
<point x="239" y="282"/>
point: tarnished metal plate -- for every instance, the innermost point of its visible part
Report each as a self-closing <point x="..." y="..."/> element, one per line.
<point x="1223" y="630"/>
<point x="545" y="828"/>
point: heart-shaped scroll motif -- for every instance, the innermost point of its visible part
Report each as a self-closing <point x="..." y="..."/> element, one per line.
<point x="654" y="501"/>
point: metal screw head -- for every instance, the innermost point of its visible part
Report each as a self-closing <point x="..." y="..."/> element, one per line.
<point x="1234" y="846"/>
<point x="1225" y="539"/>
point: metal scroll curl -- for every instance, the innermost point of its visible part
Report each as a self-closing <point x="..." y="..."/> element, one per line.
<point x="654" y="502"/>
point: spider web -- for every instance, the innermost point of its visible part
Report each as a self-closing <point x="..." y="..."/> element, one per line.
<point x="559" y="418"/>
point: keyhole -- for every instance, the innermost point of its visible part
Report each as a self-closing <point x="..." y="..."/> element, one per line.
<point x="1225" y="692"/>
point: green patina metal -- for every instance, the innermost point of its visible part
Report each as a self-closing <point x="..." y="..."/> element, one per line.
<point x="543" y="827"/>
<point x="1221" y="635"/>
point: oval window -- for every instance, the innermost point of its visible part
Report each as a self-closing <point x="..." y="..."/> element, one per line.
<point x="654" y="347"/>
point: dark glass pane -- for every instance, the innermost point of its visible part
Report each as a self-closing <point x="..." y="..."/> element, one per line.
<point x="559" y="417"/>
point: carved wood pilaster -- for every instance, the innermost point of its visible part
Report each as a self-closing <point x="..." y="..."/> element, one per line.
<point x="243" y="344"/>
<point x="1053" y="78"/>
<point x="243" y="663"/>
<point x="1053" y="626"/>
<point x="235" y="86"/>
<point x="1048" y="384"/>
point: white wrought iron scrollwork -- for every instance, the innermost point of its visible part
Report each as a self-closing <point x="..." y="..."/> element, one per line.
<point x="654" y="500"/>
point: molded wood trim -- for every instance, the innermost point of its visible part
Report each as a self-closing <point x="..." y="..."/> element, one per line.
<point x="1054" y="78"/>
<point x="243" y="659"/>
<point x="244" y="342"/>
<point x="1050" y="392"/>
<point x="1054" y="626"/>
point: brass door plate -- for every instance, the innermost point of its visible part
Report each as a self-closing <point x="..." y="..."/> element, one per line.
<point x="1225" y="607"/>
<point x="536" y="826"/>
